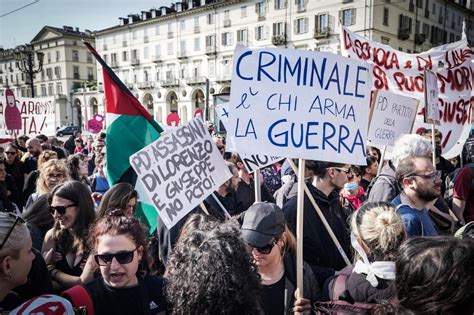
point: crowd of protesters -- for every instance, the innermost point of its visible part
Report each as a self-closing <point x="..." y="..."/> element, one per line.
<point x="404" y="225"/>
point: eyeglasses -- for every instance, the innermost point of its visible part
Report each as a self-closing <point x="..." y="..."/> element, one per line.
<point x="10" y="153"/>
<point x="123" y="258"/>
<point x="265" y="249"/>
<point x="61" y="209"/>
<point x="343" y="169"/>
<point x="55" y="176"/>
<point x="17" y="219"/>
<point x="436" y="174"/>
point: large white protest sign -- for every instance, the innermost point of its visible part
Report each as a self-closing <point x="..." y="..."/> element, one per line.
<point x="403" y="73"/>
<point x="252" y="162"/>
<point x="34" y="116"/>
<point x="179" y="170"/>
<point x="392" y="116"/>
<point x="299" y="104"/>
<point x="431" y="98"/>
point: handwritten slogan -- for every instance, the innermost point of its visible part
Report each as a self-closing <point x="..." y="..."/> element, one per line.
<point x="179" y="170"/>
<point x="299" y="104"/>
<point x="403" y="73"/>
<point x="37" y="116"/>
<point x="252" y="162"/>
<point x="431" y="98"/>
<point x="392" y="116"/>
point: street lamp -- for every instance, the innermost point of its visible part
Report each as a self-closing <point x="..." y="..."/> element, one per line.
<point x="25" y="61"/>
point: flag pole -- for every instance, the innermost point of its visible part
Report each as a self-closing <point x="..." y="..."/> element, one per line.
<point x="258" y="184"/>
<point x="227" y="215"/>
<point x="433" y="143"/>
<point x="299" y="228"/>
<point x="203" y="208"/>
<point x="382" y="157"/>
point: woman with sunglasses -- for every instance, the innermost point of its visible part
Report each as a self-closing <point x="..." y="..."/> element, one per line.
<point x="15" y="258"/>
<point x="65" y="247"/>
<point x="14" y="167"/>
<point x="120" y="248"/>
<point x="272" y="246"/>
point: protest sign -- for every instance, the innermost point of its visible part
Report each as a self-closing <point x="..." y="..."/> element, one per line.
<point x="299" y="104"/>
<point x="391" y="116"/>
<point x="179" y="170"/>
<point x="403" y="73"/>
<point x="431" y="98"/>
<point x="252" y="162"/>
<point x="27" y="116"/>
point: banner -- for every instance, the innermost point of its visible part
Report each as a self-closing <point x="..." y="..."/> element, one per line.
<point x="33" y="116"/>
<point x="391" y="116"/>
<point x="299" y="104"/>
<point x="403" y="73"/>
<point x="179" y="170"/>
<point x="252" y="162"/>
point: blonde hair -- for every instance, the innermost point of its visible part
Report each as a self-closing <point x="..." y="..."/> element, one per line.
<point x="45" y="156"/>
<point x="17" y="239"/>
<point x="290" y="242"/>
<point x="381" y="228"/>
<point x="53" y="165"/>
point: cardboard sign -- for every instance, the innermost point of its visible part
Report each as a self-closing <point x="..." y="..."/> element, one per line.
<point x="27" y="116"/>
<point x="391" y="116"/>
<point x="299" y="104"/>
<point x="179" y="170"/>
<point x="403" y="73"/>
<point x="252" y="162"/>
<point x="431" y="98"/>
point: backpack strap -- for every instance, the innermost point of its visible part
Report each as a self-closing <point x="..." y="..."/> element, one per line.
<point x="80" y="299"/>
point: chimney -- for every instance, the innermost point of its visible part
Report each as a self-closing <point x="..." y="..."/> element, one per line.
<point x="77" y="29"/>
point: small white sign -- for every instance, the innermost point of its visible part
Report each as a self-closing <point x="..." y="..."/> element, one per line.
<point x="431" y="98"/>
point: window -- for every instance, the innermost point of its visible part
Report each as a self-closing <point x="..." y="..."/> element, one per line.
<point x="301" y="25"/>
<point x="434" y="8"/>
<point x="89" y="57"/>
<point x="51" y="89"/>
<point x="212" y="67"/>
<point x="90" y="73"/>
<point x="226" y="14"/>
<point x="197" y="44"/>
<point x="385" y="40"/>
<point x="451" y="37"/>
<point x="260" y="9"/>
<point x="170" y="48"/>
<point x="182" y="47"/>
<point x="124" y="56"/>
<point x="196" y="21"/>
<point x="49" y="73"/>
<point x="210" y="18"/>
<point x="43" y="89"/>
<point x="322" y="25"/>
<point x="59" y="88"/>
<point x="75" y="70"/>
<point x="226" y="39"/>
<point x="242" y="37"/>
<point x="385" y="16"/>
<point x="243" y="11"/>
<point x="405" y="22"/>
<point x="57" y="72"/>
<point x="135" y="54"/>
<point x="279" y="28"/>
<point x="426" y="30"/>
<point x="157" y="50"/>
<point x="182" y="25"/>
<point x="348" y="17"/>
<point x="300" y="5"/>
<point x="260" y="32"/>
<point x="210" y="41"/>
<point x="134" y="35"/>
<point x="114" y="39"/>
<point x="58" y="55"/>
<point x="75" y="55"/>
<point x="146" y="52"/>
<point x="419" y="4"/>
<point x="157" y="29"/>
<point x="280" y="4"/>
<point x="49" y="56"/>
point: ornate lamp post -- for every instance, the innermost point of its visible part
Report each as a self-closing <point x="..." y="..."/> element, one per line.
<point x="25" y="61"/>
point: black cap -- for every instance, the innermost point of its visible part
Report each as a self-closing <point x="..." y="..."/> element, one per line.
<point x="262" y="222"/>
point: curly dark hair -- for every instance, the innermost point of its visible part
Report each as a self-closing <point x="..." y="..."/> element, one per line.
<point x="211" y="272"/>
<point x="117" y="197"/>
<point x="73" y="166"/>
<point x="115" y="223"/>
<point x="435" y="275"/>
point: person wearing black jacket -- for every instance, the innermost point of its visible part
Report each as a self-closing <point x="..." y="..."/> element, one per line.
<point x="318" y="248"/>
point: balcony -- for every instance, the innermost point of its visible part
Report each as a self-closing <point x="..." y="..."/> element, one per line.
<point x="197" y="29"/>
<point x="183" y="55"/>
<point x="124" y="43"/>
<point x="76" y="76"/>
<point x="210" y="50"/>
<point x="420" y="39"/>
<point x="227" y="23"/>
<point x="261" y="17"/>
<point x="145" y="39"/>
<point x="146" y="85"/>
<point x="196" y="80"/>
<point x="114" y="64"/>
<point x="243" y="42"/>
<point x="403" y="33"/>
<point x="279" y="39"/>
<point x="170" y="82"/>
<point x="135" y="62"/>
<point x="223" y="78"/>
<point x="300" y="8"/>
<point x="156" y="58"/>
<point x="170" y="35"/>
<point x="322" y="33"/>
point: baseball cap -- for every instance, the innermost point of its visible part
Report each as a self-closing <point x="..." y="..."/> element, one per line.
<point x="262" y="222"/>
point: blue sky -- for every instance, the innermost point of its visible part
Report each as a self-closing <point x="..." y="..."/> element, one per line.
<point x="20" y="27"/>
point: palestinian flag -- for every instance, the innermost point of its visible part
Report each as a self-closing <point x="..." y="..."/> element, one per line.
<point x="130" y="128"/>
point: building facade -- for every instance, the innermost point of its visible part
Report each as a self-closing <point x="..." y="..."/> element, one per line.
<point x="67" y="68"/>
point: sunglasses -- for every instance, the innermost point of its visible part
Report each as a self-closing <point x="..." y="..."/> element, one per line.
<point x="18" y="219"/>
<point x="10" y="153"/>
<point x="61" y="209"/>
<point x="265" y="249"/>
<point x="122" y="258"/>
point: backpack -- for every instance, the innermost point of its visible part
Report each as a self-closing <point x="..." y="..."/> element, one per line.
<point x="340" y="306"/>
<point x="451" y="179"/>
